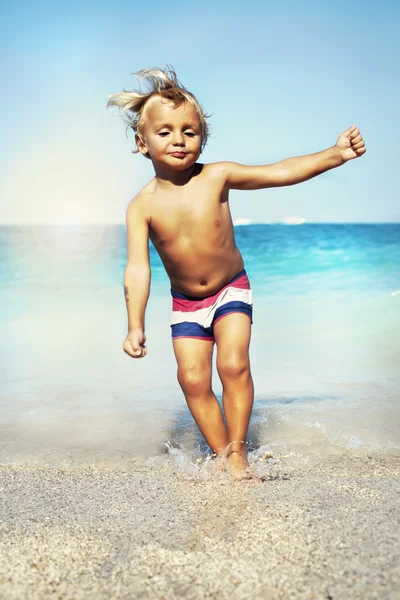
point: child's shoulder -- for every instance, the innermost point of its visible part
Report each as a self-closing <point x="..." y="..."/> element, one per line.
<point x="142" y="198"/>
<point x="218" y="170"/>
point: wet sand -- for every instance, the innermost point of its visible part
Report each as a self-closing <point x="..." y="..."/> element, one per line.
<point x="324" y="528"/>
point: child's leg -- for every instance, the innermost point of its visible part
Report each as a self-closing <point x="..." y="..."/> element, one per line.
<point x="194" y="358"/>
<point x="232" y="335"/>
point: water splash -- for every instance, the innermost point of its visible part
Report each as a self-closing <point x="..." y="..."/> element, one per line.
<point x="198" y="469"/>
<point x="202" y="469"/>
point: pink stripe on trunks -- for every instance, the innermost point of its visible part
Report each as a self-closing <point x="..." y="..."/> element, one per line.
<point x="195" y="317"/>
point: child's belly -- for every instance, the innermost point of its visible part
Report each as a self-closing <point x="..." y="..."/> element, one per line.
<point x="201" y="271"/>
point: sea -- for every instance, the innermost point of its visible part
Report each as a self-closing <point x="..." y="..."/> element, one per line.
<point x="325" y="348"/>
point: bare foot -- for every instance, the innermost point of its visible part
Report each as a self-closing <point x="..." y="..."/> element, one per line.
<point x="220" y="464"/>
<point x="240" y="470"/>
<point x="218" y="460"/>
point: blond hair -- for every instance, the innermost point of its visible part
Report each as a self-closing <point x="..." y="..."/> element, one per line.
<point x="160" y="82"/>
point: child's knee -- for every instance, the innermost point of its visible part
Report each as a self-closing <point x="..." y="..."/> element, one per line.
<point x="194" y="380"/>
<point x="233" y="366"/>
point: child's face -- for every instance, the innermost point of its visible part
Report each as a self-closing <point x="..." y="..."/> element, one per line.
<point x="172" y="134"/>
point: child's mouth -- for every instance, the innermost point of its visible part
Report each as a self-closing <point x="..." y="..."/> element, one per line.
<point x="178" y="154"/>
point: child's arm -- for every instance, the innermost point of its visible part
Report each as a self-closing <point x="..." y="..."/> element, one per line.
<point x="349" y="145"/>
<point x="136" y="278"/>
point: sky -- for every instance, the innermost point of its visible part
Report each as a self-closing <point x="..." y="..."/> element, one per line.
<point x="280" y="80"/>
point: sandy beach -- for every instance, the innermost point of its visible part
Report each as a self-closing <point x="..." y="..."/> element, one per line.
<point x="316" y="528"/>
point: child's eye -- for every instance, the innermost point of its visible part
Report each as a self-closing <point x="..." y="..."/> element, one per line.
<point x="190" y="133"/>
<point x="163" y="133"/>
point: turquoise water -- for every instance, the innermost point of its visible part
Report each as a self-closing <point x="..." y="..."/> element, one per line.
<point x="325" y="346"/>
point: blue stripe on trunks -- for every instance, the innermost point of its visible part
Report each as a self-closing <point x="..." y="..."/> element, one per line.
<point x="188" y="329"/>
<point x="234" y="306"/>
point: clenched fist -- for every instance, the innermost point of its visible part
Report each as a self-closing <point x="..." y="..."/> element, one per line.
<point x="134" y="345"/>
<point x="351" y="144"/>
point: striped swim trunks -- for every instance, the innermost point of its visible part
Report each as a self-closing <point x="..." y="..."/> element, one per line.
<point x="194" y="317"/>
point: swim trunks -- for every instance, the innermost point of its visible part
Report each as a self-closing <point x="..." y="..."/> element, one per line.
<point x="194" y="317"/>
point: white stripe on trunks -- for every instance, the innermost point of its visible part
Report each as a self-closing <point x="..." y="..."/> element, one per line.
<point x="204" y="316"/>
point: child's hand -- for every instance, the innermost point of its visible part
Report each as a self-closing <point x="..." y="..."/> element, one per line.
<point x="351" y="144"/>
<point x="134" y="345"/>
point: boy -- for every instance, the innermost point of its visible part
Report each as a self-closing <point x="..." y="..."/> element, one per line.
<point x="184" y="210"/>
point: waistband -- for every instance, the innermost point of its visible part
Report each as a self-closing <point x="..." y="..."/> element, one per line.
<point x="184" y="297"/>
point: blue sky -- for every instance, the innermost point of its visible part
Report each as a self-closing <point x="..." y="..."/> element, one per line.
<point x="279" y="79"/>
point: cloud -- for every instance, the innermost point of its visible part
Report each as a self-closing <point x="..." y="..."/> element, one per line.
<point x="245" y="221"/>
<point x="293" y="220"/>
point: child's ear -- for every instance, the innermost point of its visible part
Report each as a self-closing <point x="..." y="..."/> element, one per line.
<point x="141" y="144"/>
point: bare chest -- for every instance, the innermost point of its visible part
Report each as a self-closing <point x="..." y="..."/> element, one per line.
<point x="188" y="218"/>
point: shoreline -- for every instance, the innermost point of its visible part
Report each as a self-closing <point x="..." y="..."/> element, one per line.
<point x="323" y="529"/>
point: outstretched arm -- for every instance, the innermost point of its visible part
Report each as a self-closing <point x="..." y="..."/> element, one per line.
<point x="349" y="145"/>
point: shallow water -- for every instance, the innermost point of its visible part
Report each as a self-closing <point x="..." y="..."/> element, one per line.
<point x="325" y="349"/>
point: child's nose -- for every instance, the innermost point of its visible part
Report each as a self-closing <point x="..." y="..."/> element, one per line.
<point x="178" y="140"/>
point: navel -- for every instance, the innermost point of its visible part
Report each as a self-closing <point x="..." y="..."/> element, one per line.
<point x="203" y="282"/>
